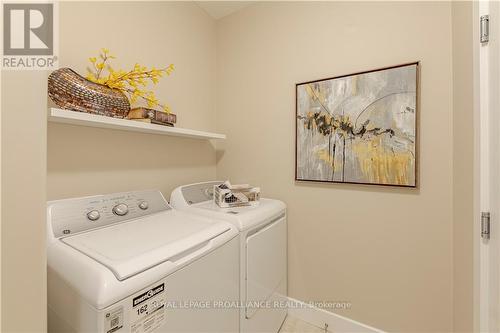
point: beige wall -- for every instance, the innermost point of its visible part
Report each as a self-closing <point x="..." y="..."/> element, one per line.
<point x="386" y="250"/>
<point x="463" y="152"/>
<point x="23" y="260"/>
<point x="85" y="161"/>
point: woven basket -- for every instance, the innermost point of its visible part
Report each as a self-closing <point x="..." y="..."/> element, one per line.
<point x="73" y="92"/>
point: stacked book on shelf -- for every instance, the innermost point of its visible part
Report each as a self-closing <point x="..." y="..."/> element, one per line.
<point x="152" y="116"/>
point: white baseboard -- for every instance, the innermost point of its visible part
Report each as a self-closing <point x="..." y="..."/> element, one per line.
<point x="319" y="317"/>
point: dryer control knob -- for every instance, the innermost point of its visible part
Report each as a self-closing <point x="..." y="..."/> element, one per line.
<point x="120" y="209"/>
<point x="93" y="215"/>
<point x="143" y="205"/>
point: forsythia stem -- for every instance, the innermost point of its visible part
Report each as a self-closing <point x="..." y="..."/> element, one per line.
<point x="133" y="82"/>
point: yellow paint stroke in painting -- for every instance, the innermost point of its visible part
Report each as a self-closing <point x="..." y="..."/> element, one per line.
<point x="326" y="157"/>
<point x="316" y="93"/>
<point x="354" y="85"/>
<point x="380" y="165"/>
<point x="309" y="90"/>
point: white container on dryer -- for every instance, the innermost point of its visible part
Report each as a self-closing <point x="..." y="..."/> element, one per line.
<point x="263" y="253"/>
<point x="128" y="262"/>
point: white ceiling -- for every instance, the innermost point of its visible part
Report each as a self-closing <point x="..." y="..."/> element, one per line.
<point x="219" y="9"/>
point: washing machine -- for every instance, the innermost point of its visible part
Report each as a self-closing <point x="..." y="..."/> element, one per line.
<point x="128" y="262"/>
<point x="263" y="252"/>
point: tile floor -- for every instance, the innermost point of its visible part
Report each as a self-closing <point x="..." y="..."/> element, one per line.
<point x="294" y="325"/>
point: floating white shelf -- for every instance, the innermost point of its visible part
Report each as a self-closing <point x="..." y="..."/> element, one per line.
<point x="91" y="120"/>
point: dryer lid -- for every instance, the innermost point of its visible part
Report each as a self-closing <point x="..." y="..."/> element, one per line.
<point x="135" y="246"/>
<point x="243" y="217"/>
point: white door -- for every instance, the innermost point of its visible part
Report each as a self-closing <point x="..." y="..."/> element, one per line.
<point x="488" y="99"/>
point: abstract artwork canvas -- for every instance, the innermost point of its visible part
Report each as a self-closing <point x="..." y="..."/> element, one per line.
<point x="359" y="128"/>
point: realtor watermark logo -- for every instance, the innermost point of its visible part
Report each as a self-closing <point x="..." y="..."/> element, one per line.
<point x="29" y="36"/>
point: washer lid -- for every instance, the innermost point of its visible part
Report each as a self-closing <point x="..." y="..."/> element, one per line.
<point x="132" y="247"/>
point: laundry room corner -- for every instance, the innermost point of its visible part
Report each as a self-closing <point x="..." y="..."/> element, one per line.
<point x="250" y="166"/>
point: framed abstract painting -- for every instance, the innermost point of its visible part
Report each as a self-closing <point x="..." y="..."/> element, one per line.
<point x="359" y="128"/>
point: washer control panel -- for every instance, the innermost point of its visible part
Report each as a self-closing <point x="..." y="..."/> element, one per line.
<point x="70" y="216"/>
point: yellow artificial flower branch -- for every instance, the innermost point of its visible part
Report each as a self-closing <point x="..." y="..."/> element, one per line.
<point x="131" y="82"/>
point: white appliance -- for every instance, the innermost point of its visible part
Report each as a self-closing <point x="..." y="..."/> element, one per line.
<point x="128" y="262"/>
<point x="263" y="253"/>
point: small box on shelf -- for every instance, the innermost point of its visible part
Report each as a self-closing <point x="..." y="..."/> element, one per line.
<point x="154" y="116"/>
